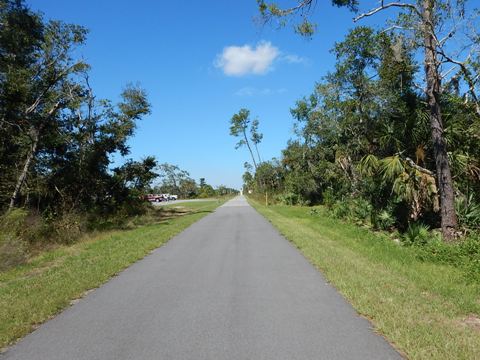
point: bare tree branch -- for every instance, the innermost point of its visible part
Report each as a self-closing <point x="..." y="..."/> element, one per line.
<point x="386" y="6"/>
<point x="418" y="167"/>
<point x="466" y="74"/>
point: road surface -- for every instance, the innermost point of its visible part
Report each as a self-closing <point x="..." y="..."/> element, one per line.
<point x="228" y="287"/>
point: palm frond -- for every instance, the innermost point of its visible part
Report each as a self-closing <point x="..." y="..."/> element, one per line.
<point x="369" y="165"/>
<point x="392" y="167"/>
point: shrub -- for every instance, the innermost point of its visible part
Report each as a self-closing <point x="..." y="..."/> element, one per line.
<point x="328" y="198"/>
<point x="13" y="249"/>
<point x="358" y="210"/>
<point x="471" y="246"/>
<point x="361" y="210"/>
<point x="384" y="220"/>
<point x="288" y="198"/>
<point x="468" y="211"/>
<point x="341" y="210"/>
<point x="416" y="234"/>
<point x="67" y="229"/>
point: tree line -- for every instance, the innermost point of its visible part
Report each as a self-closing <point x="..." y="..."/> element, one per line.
<point x="58" y="139"/>
<point x="173" y="180"/>
<point x="57" y="136"/>
<point x="395" y="126"/>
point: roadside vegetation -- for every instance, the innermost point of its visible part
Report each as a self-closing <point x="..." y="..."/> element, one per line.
<point x="397" y="121"/>
<point x="380" y="186"/>
<point x="47" y="283"/>
<point x="58" y="138"/>
<point x="386" y="140"/>
<point x="426" y="305"/>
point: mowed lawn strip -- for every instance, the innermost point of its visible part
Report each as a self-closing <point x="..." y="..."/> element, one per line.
<point x="426" y="310"/>
<point x="36" y="291"/>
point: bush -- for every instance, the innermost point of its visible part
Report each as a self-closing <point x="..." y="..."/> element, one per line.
<point x="341" y="210"/>
<point x="361" y="210"/>
<point x="66" y="229"/>
<point x="358" y="210"/>
<point x="468" y="211"/>
<point x="384" y="220"/>
<point x="13" y="249"/>
<point x="417" y="234"/>
<point x="21" y="231"/>
<point x="288" y="198"/>
<point x="328" y="198"/>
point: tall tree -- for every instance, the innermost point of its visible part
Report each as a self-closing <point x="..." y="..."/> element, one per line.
<point x="256" y="137"/>
<point x="90" y="132"/>
<point x="172" y="177"/>
<point x="35" y="89"/>
<point x="239" y="125"/>
<point x="188" y="188"/>
<point x="56" y="138"/>
<point x="437" y="23"/>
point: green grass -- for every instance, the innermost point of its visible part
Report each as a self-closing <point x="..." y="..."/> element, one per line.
<point x="36" y="291"/>
<point x="426" y="310"/>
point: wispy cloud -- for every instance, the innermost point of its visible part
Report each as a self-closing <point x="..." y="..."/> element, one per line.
<point x="252" y="91"/>
<point x="295" y="59"/>
<point x="243" y="60"/>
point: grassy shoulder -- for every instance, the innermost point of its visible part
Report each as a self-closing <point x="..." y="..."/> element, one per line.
<point x="36" y="291"/>
<point x="426" y="309"/>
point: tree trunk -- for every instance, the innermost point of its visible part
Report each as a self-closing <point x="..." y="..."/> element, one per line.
<point x="258" y="153"/>
<point x="444" y="176"/>
<point x="35" y="133"/>
<point x="249" y="149"/>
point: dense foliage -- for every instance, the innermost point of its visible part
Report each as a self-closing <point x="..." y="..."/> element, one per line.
<point x="363" y="145"/>
<point x="57" y="138"/>
<point x="390" y="89"/>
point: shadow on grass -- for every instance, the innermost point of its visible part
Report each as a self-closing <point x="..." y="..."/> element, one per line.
<point x="159" y="216"/>
<point x="169" y="215"/>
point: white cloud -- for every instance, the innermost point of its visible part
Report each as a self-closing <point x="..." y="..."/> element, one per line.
<point x="295" y="59"/>
<point x="243" y="60"/>
<point x="251" y="91"/>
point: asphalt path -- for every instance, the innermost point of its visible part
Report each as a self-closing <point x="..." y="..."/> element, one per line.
<point x="228" y="287"/>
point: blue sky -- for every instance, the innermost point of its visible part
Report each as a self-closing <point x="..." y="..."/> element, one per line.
<point x="174" y="50"/>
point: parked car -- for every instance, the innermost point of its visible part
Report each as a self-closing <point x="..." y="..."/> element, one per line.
<point x="154" y="197"/>
<point x="170" y="197"/>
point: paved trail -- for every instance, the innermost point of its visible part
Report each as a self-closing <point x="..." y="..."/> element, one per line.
<point x="229" y="287"/>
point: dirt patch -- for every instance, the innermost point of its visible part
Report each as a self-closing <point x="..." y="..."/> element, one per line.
<point x="472" y="321"/>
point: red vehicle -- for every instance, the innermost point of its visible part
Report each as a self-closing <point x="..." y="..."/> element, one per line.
<point x="154" y="198"/>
